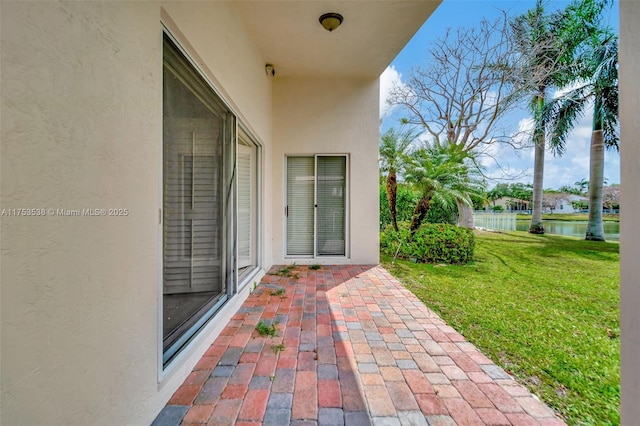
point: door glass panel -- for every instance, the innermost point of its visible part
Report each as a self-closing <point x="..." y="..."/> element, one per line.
<point x="331" y="179"/>
<point x="194" y="132"/>
<point x="300" y="205"/>
<point x="246" y="207"/>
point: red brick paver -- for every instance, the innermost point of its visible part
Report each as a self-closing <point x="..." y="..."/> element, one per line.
<point x="352" y="346"/>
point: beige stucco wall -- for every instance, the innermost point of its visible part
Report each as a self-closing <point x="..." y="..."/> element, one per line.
<point x="630" y="211"/>
<point x="330" y="116"/>
<point x="81" y="123"/>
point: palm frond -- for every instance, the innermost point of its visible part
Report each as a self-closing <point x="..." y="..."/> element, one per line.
<point x="445" y="174"/>
<point x="394" y="146"/>
<point x="562" y="113"/>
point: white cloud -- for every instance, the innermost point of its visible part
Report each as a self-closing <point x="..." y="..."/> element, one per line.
<point x="389" y="78"/>
<point x="501" y="160"/>
<point x="524" y="133"/>
<point x="572" y="167"/>
<point x="574" y="164"/>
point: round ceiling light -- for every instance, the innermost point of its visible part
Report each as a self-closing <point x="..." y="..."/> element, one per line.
<point x="331" y="21"/>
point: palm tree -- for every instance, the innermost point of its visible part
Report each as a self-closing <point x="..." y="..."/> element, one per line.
<point x="582" y="185"/>
<point x="536" y="35"/>
<point x="597" y="86"/>
<point x="495" y="194"/>
<point x="547" y="43"/>
<point x="393" y="150"/>
<point x="443" y="177"/>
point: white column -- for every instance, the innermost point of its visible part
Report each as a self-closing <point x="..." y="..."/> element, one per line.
<point x="630" y="210"/>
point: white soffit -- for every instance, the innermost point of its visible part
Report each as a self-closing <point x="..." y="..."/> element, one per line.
<point x="289" y="35"/>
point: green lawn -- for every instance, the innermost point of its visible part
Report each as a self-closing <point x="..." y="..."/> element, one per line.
<point x="543" y="307"/>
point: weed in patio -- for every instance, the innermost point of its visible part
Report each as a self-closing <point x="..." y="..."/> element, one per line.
<point x="286" y="272"/>
<point x="315" y="267"/>
<point x="277" y="348"/>
<point x="277" y="292"/>
<point x="265" y="329"/>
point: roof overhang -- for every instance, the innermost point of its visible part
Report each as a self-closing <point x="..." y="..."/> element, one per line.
<point x="289" y="35"/>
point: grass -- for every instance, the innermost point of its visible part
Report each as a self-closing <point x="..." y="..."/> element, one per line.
<point x="265" y="329"/>
<point x="277" y="348"/>
<point x="287" y="271"/>
<point x="279" y="291"/>
<point x="543" y="307"/>
<point x="573" y="217"/>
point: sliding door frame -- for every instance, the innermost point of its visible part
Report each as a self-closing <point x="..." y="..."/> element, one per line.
<point x="243" y="135"/>
<point x="347" y="194"/>
<point x="233" y="282"/>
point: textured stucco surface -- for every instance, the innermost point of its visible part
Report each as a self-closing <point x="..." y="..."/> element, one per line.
<point x="630" y="211"/>
<point x="81" y="128"/>
<point x="297" y="44"/>
<point x="330" y="116"/>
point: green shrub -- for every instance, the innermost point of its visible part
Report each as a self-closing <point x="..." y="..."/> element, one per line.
<point x="497" y="209"/>
<point x="406" y="201"/>
<point x="442" y="214"/>
<point x="432" y="243"/>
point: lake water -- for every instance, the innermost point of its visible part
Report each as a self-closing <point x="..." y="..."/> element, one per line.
<point x="575" y="229"/>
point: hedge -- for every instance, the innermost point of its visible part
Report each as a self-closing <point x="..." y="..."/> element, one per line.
<point x="432" y="243"/>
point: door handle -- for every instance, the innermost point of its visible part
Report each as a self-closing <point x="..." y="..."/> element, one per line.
<point x="286" y="211"/>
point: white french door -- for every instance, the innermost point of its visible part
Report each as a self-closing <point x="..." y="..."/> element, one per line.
<point x="316" y="205"/>
<point x="247" y="207"/>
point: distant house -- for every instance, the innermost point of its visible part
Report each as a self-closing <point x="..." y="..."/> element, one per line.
<point x="510" y="204"/>
<point x="572" y="204"/>
<point x="551" y="203"/>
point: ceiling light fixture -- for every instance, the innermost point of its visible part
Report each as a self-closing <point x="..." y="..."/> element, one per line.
<point x="331" y="21"/>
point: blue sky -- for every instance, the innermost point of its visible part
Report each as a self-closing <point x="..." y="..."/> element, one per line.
<point x="572" y="166"/>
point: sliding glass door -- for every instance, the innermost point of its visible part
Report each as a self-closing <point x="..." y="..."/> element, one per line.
<point x="316" y="205"/>
<point x="330" y="201"/>
<point x="246" y="175"/>
<point x="198" y="159"/>
<point x="300" y="205"/>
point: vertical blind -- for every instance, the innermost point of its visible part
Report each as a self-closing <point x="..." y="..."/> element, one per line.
<point x="300" y="205"/>
<point x="192" y="200"/>
<point x="245" y="208"/>
<point x="331" y="178"/>
<point x="198" y="153"/>
<point x="316" y="181"/>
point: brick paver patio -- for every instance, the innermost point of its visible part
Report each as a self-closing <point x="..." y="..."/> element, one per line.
<point x="353" y="347"/>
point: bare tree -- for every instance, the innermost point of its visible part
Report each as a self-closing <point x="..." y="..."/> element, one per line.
<point x="464" y="91"/>
<point x="611" y="197"/>
<point x="551" y="200"/>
